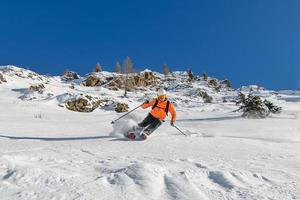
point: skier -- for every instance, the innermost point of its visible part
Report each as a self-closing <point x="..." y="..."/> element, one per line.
<point x="161" y="106"/>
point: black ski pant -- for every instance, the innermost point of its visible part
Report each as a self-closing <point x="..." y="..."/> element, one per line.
<point x="151" y="123"/>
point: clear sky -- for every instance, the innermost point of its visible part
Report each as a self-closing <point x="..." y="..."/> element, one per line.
<point x="247" y="41"/>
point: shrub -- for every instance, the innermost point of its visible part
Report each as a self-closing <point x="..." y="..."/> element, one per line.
<point x="254" y="107"/>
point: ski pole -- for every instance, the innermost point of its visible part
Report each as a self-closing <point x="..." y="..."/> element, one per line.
<point x="126" y="114"/>
<point x="180" y="130"/>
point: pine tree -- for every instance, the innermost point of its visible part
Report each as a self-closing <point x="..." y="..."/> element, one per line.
<point x="98" y="68"/>
<point x="128" y="68"/>
<point x="166" y="70"/>
<point x="205" y="77"/>
<point x="191" y="76"/>
<point x="118" y="68"/>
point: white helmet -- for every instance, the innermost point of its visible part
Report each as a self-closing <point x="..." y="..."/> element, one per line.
<point x="161" y="92"/>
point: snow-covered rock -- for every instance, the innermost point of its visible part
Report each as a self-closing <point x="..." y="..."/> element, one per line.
<point x="84" y="103"/>
<point x="2" y="79"/>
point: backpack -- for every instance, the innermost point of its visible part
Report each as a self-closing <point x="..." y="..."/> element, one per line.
<point x="166" y="109"/>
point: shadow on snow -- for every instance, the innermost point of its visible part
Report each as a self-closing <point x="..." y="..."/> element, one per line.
<point x="210" y="119"/>
<point x="55" y="139"/>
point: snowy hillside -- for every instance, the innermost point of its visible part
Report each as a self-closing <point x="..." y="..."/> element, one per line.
<point x="48" y="151"/>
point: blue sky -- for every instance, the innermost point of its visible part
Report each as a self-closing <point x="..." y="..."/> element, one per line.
<point x="249" y="42"/>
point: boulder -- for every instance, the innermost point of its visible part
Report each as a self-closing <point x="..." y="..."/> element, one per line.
<point x="93" y="80"/>
<point x="204" y="95"/>
<point x="149" y="78"/>
<point x="116" y="84"/>
<point x="213" y="82"/>
<point x="37" y="88"/>
<point x="2" y="79"/>
<point x="70" y="76"/>
<point x="84" y="103"/>
<point x="121" y="107"/>
<point x="35" y="92"/>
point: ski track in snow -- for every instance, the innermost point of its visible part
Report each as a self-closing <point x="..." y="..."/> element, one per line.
<point x="68" y="155"/>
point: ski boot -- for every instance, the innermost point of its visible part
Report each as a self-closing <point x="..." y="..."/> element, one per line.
<point x="143" y="136"/>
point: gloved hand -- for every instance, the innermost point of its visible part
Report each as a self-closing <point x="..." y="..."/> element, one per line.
<point x="146" y="102"/>
<point x="172" y="123"/>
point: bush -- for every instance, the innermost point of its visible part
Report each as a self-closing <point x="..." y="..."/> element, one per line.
<point x="254" y="107"/>
<point x="273" y="109"/>
<point x="241" y="98"/>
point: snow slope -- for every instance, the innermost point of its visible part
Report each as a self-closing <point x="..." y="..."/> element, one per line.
<point x="48" y="152"/>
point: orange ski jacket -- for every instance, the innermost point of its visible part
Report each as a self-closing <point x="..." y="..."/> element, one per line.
<point x="160" y="109"/>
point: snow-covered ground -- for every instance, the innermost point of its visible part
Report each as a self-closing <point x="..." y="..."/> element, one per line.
<point x="49" y="152"/>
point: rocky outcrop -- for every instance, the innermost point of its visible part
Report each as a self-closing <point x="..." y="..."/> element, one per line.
<point x="206" y="98"/>
<point x="69" y="76"/>
<point x="35" y="92"/>
<point x="144" y="79"/>
<point x="84" y="103"/>
<point x="213" y="82"/>
<point x="2" y="79"/>
<point x="121" y="107"/>
<point x="117" y="83"/>
<point x="37" y="88"/>
<point x="95" y="80"/>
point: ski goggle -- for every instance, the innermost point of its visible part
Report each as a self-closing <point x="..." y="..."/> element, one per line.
<point x="161" y="96"/>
